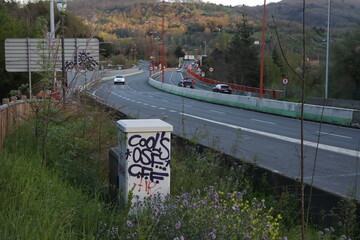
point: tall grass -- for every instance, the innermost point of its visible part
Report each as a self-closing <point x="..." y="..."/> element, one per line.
<point x="36" y="204"/>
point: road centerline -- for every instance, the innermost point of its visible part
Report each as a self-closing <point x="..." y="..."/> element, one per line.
<point x="214" y="111"/>
<point x="262" y="121"/>
<point x="334" y="135"/>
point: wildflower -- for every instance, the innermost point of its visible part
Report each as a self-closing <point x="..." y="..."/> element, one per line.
<point x="129" y="223"/>
<point x="185" y="202"/>
<point x="178" y="225"/>
<point x="247" y="235"/>
<point x="327" y="229"/>
<point x="284" y="238"/>
<point x="320" y="233"/>
<point x="332" y="229"/>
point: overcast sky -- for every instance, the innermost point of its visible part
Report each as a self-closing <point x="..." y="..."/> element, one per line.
<point x="241" y="2"/>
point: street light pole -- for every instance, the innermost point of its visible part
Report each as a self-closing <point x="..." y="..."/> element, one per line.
<point x="61" y="5"/>
<point x="262" y="51"/>
<point x="327" y="51"/>
<point x="163" y="43"/>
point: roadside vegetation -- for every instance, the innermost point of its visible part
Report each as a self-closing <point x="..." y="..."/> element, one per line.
<point x="53" y="181"/>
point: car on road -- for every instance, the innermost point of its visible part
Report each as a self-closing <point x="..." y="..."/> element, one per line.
<point x="186" y="83"/>
<point x="119" y="79"/>
<point x="222" y="88"/>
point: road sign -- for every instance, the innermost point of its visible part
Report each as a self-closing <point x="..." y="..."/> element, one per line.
<point x="31" y="55"/>
<point x="151" y="68"/>
<point x="285" y="81"/>
<point x="211" y="69"/>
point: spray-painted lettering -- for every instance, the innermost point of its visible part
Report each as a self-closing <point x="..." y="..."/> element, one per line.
<point x="148" y="160"/>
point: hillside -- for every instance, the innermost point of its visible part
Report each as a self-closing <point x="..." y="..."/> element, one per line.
<point x="344" y="13"/>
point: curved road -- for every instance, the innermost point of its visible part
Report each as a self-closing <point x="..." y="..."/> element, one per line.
<point x="270" y="141"/>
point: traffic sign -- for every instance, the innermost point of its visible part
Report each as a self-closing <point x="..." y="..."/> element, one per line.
<point x="211" y="69"/>
<point x="285" y="81"/>
<point x="151" y="68"/>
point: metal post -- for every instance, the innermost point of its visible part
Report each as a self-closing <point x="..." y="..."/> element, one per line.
<point x="163" y="43"/>
<point x="52" y="25"/>
<point x="29" y="67"/>
<point x="63" y="57"/>
<point x="327" y="52"/>
<point x="262" y="51"/>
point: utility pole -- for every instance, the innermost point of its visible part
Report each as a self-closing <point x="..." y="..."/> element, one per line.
<point x="262" y="51"/>
<point x="327" y="51"/>
<point x="163" y="43"/>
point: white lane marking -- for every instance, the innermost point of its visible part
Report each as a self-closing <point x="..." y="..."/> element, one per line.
<point x="172" y="111"/>
<point x="257" y="120"/>
<point x="153" y="106"/>
<point x="217" y="111"/>
<point x="335" y="135"/>
<point x="164" y="100"/>
<point x="337" y="175"/>
<point x="146" y="104"/>
<point x="344" y="151"/>
<point x="171" y="82"/>
<point x="162" y="108"/>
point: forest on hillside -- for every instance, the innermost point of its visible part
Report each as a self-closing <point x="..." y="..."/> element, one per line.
<point x="132" y="30"/>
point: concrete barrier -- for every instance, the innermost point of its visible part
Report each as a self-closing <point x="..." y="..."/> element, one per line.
<point x="332" y="115"/>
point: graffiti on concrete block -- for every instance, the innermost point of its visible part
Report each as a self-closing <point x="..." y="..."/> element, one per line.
<point x="148" y="161"/>
<point x="83" y="60"/>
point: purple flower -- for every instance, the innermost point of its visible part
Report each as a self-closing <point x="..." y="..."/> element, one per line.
<point x="178" y="225"/>
<point x="235" y="208"/>
<point x="129" y="223"/>
<point x="185" y="202"/>
<point x="320" y="233"/>
<point x="284" y="238"/>
<point x="247" y="235"/>
<point x="327" y="229"/>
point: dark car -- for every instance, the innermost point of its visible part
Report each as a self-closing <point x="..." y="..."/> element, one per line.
<point x="186" y="84"/>
<point x="222" y="88"/>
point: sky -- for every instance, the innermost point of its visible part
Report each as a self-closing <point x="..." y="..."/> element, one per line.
<point x="249" y="3"/>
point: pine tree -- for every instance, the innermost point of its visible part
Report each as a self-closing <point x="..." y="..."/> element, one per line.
<point x="242" y="56"/>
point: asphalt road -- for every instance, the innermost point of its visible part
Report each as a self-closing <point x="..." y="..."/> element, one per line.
<point x="273" y="142"/>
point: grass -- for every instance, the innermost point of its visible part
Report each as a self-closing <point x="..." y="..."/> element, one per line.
<point x="37" y="204"/>
<point x="57" y="199"/>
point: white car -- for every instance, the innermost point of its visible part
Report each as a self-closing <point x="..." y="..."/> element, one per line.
<point x="119" y="79"/>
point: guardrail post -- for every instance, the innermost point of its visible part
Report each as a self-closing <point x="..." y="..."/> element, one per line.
<point x="143" y="158"/>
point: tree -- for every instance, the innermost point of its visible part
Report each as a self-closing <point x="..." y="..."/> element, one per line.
<point x="242" y="56"/>
<point x="10" y="27"/>
<point x="179" y="52"/>
<point x="345" y="71"/>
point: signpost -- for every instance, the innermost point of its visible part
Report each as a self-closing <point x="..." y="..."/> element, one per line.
<point x="33" y="55"/>
<point x="211" y="69"/>
<point x="285" y="82"/>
